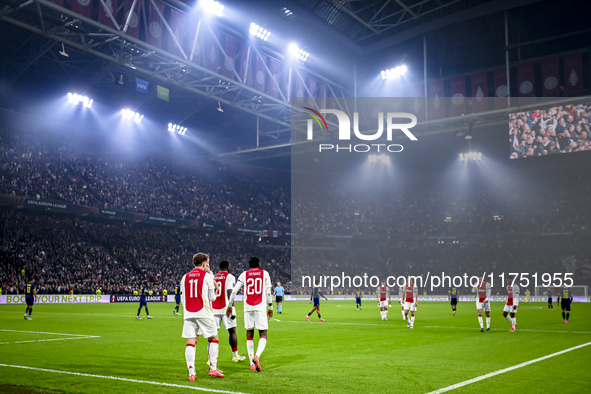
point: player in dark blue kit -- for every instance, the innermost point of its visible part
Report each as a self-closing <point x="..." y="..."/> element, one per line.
<point x="143" y="301"/>
<point x="565" y="297"/>
<point x="358" y="299"/>
<point x="316" y="294"/>
<point x="452" y="295"/>
<point x="30" y="297"/>
<point x="550" y="306"/>
<point x="177" y="298"/>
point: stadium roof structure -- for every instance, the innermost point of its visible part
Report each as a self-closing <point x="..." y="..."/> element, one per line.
<point x="46" y="46"/>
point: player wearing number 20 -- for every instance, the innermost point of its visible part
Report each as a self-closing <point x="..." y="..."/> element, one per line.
<point x="198" y="292"/>
<point x="257" y="284"/>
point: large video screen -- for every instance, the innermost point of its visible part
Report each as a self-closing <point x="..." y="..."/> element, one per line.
<point x="550" y="131"/>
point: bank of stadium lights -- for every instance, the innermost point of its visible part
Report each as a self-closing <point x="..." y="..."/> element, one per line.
<point x="175" y="128"/>
<point x="396" y="72"/>
<point x="129" y="114"/>
<point x="76" y="99"/>
<point x="470" y="156"/>
<point x="381" y="158"/>
<point x="259" y="32"/>
<point x="212" y="7"/>
<point x="298" y="52"/>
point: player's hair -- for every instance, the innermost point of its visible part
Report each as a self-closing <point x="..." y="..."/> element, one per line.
<point x="254" y="262"/>
<point x="199" y="259"/>
<point x="224" y="265"/>
<point x="145" y="283"/>
<point x="31" y="278"/>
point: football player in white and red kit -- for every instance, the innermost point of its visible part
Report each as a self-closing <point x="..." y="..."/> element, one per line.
<point x="401" y="300"/>
<point x="198" y="291"/>
<point x="482" y="295"/>
<point x="383" y="295"/>
<point x="226" y="282"/>
<point x="257" y="285"/>
<point x="511" y="305"/>
<point x="411" y="300"/>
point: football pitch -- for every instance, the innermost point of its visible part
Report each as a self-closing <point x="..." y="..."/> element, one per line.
<point x="103" y="348"/>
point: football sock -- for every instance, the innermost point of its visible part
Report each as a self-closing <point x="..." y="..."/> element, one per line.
<point x="412" y="320"/>
<point x="319" y="317"/>
<point x="567" y="315"/>
<point x="563" y="318"/>
<point x="513" y="322"/>
<point x="281" y="308"/>
<point x="147" y="313"/>
<point x="488" y="322"/>
<point x="27" y="310"/>
<point x="508" y="318"/>
<point x="382" y="314"/>
<point x="250" y="349"/>
<point x="234" y="352"/>
<point x="386" y="313"/>
<point x="261" y="346"/>
<point x="480" y="321"/>
<point x="214" y="350"/>
<point x="403" y="316"/>
<point x="31" y="312"/>
<point x="139" y="310"/>
<point x="190" y="357"/>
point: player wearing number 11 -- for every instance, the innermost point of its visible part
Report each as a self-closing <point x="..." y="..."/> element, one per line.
<point x="257" y="284"/>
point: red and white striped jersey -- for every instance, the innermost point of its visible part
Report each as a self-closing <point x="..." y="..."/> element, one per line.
<point x="226" y="281"/>
<point x="410" y="291"/>
<point x="483" y="290"/>
<point x="257" y="289"/>
<point x="383" y="293"/>
<point x="513" y="295"/>
<point x="198" y="291"/>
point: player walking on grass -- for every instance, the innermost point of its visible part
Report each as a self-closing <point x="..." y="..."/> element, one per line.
<point x="482" y="295"/>
<point x="225" y="283"/>
<point x="527" y="296"/>
<point x="401" y="295"/>
<point x="452" y="295"/>
<point x="411" y="300"/>
<point x="383" y="295"/>
<point x="358" y="299"/>
<point x="257" y="285"/>
<point x="316" y="294"/>
<point x="565" y="297"/>
<point x="550" y="306"/>
<point x="198" y="292"/>
<point x="177" y="298"/>
<point x="30" y="298"/>
<point x="278" y="294"/>
<point x="511" y="305"/>
<point x="143" y="301"/>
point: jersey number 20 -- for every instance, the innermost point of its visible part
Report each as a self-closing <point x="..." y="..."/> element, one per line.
<point x="254" y="286"/>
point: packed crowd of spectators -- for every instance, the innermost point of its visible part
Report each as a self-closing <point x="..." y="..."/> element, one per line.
<point x="41" y="166"/>
<point x="552" y="131"/>
<point x="65" y="254"/>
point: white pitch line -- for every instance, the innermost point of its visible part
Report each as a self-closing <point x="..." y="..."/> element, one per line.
<point x="56" y="339"/>
<point x="48" y="333"/>
<point x="518" y="329"/>
<point x="123" y="379"/>
<point x="489" y="375"/>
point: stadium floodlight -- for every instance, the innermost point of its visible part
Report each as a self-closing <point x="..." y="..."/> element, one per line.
<point x="381" y="158"/>
<point x="298" y="52"/>
<point x="76" y="99"/>
<point x="129" y="114"/>
<point x="470" y="156"/>
<point x="212" y="7"/>
<point x="175" y="128"/>
<point x="396" y="72"/>
<point x="259" y="32"/>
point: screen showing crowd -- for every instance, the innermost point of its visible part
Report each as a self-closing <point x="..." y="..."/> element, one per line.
<point x="560" y="129"/>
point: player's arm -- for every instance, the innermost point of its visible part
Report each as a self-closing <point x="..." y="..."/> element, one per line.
<point x="319" y="293"/>
<point x="268" y="286"/>
<point x="416" y="294"/>
<point x="235" y="291"/>
<point x="488" y="292"/>
<point x="182" y="292"/>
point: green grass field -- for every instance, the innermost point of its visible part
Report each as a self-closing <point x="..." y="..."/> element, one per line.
<point x="352" y="352"/>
